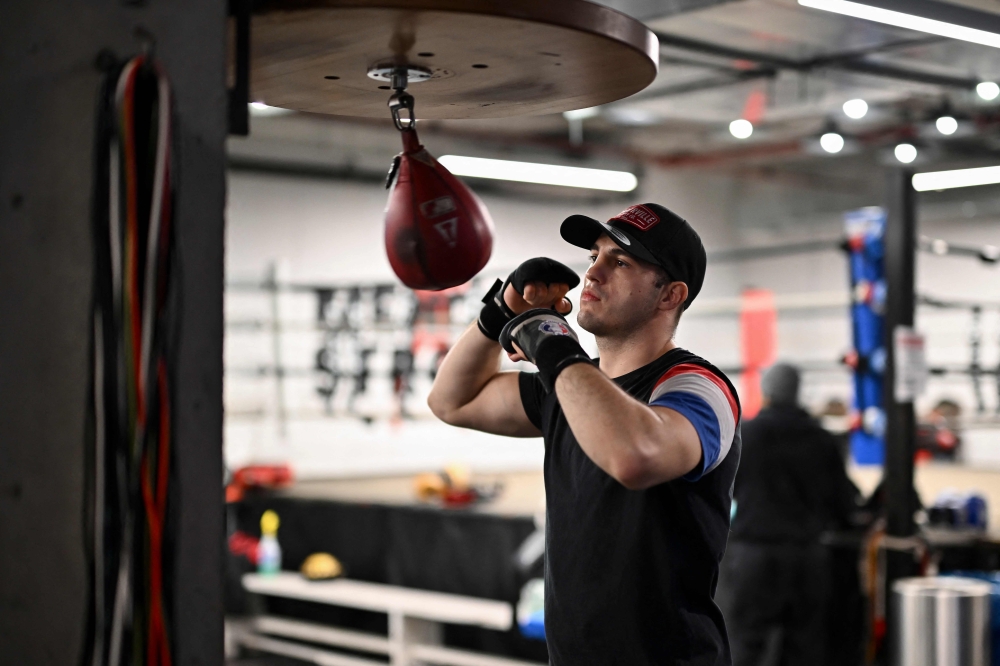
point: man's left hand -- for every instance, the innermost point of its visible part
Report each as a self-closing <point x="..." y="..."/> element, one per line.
<point x="543" y="337"/>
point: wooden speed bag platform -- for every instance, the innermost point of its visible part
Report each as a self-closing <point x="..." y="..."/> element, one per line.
<point x="467" y="58"/>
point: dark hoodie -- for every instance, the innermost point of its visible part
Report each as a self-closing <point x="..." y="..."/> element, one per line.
<point x="791" y="484"/>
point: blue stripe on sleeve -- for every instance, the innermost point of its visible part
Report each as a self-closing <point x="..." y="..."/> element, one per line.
<point x="705" y="423"/>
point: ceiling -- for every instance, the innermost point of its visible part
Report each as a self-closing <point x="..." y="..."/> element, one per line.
<point x="787" y="68"/>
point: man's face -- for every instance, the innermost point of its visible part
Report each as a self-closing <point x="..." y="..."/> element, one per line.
<point x="620" y="292"/>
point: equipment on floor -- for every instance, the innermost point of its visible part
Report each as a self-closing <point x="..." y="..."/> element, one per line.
<point x="322" y="566"/>
<point x="954" y="509"/>
<point x="531" y="609"/>
<point x="452" y="487"/>
<point x="941" y="620"/>
<point x="257" y="477"/>
<point x="269" y="550"/>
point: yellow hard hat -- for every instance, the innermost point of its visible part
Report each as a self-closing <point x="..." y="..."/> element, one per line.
<point x="321" y="566"/>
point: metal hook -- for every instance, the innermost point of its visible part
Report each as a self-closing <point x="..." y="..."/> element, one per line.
<point x="147" y="41"/>
<point x="398" y="101"/>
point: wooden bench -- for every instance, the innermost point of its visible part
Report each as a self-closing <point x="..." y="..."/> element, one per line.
<point x="415" y="619"/>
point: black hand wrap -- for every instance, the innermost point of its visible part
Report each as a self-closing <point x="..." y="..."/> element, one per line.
<point x="546" y="340"/>
<point x="495" y="313"/>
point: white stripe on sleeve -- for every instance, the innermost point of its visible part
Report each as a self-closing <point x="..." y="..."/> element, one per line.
<point x="708" y="391"/>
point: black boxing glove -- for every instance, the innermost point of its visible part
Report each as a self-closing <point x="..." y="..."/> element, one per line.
<point x="495" y="313"/>
<point x="546" y="340"/>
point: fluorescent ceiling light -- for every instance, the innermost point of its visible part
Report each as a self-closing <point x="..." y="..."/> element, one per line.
<point x="263" y="110"/>
<point x="988" y="90"/>
<point x="632" y="116"/>
<point x="831" y="142"/>
<point x="855" y="108"/>
<point x="908" y="21"/>
<point x="582" y="114"/>
<point x="906" y="153"/>
<point x="741" y="129"/>
<point x="946" y="125"/>
<point x="946" y="180"/>
<point x="544" y="174"/>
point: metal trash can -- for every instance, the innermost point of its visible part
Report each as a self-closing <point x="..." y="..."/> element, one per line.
<point x="941" y="621"/>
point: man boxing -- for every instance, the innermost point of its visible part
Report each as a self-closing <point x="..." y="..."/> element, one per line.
<point x="641" y="446"/>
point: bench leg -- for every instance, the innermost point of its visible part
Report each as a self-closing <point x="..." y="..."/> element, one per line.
<point x="407" y="631"/>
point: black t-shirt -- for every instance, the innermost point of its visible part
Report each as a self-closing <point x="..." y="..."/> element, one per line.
<point x="630" y="576"/>
<point x="792" y="483"/>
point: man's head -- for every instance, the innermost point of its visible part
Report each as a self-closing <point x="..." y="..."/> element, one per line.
<point x="647" y="263"/>
<point x="780" y="385"/>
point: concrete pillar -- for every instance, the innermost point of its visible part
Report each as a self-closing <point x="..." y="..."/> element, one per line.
<point x="48" y="93"/>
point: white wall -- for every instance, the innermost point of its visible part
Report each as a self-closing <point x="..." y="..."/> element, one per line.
<point x="331" y="231"/>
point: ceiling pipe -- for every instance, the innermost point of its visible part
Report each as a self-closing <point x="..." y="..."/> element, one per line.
<point x="770" y="71"/>
<point x="686" y="159"/>
<point x="700" y="85"/>
<point x="849" y="62"/>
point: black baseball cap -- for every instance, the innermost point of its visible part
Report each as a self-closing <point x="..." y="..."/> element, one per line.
<point x="651" y="233"/>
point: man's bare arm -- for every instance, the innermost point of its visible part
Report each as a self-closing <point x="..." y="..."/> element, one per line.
<point x="638" y="445"/>
<point x="471" y="392"/>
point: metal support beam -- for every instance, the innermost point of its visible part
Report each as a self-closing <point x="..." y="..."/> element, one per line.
<point x="900" y="259"/>
<point x="239" y="94"/>
<point x="900" y="436"/>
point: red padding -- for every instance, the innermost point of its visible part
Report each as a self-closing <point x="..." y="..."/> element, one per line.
<point x="758" y="337"/>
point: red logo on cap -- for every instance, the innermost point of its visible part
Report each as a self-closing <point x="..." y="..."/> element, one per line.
<point x="639" y="217"/>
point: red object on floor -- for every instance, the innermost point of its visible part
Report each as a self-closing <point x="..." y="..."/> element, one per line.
<point x="455" y="498"/>
<point x="258" y="476"/>
<point x="242" y="544"/>
<point x="758" y="342"/>
<point x="438" y="234"/>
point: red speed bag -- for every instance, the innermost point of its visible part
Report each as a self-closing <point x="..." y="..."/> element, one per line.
<point x="438" y="234"/>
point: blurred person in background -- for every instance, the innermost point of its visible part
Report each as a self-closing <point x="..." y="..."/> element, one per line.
<point x="939" y="433"/>
<point x="791" y="487"/>
<point x="835" y="419"/>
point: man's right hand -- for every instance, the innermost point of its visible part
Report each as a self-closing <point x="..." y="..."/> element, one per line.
<point x="537" y="283"/>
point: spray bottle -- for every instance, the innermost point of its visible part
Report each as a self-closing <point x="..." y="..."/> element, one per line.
<point x="268" y="551"/>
